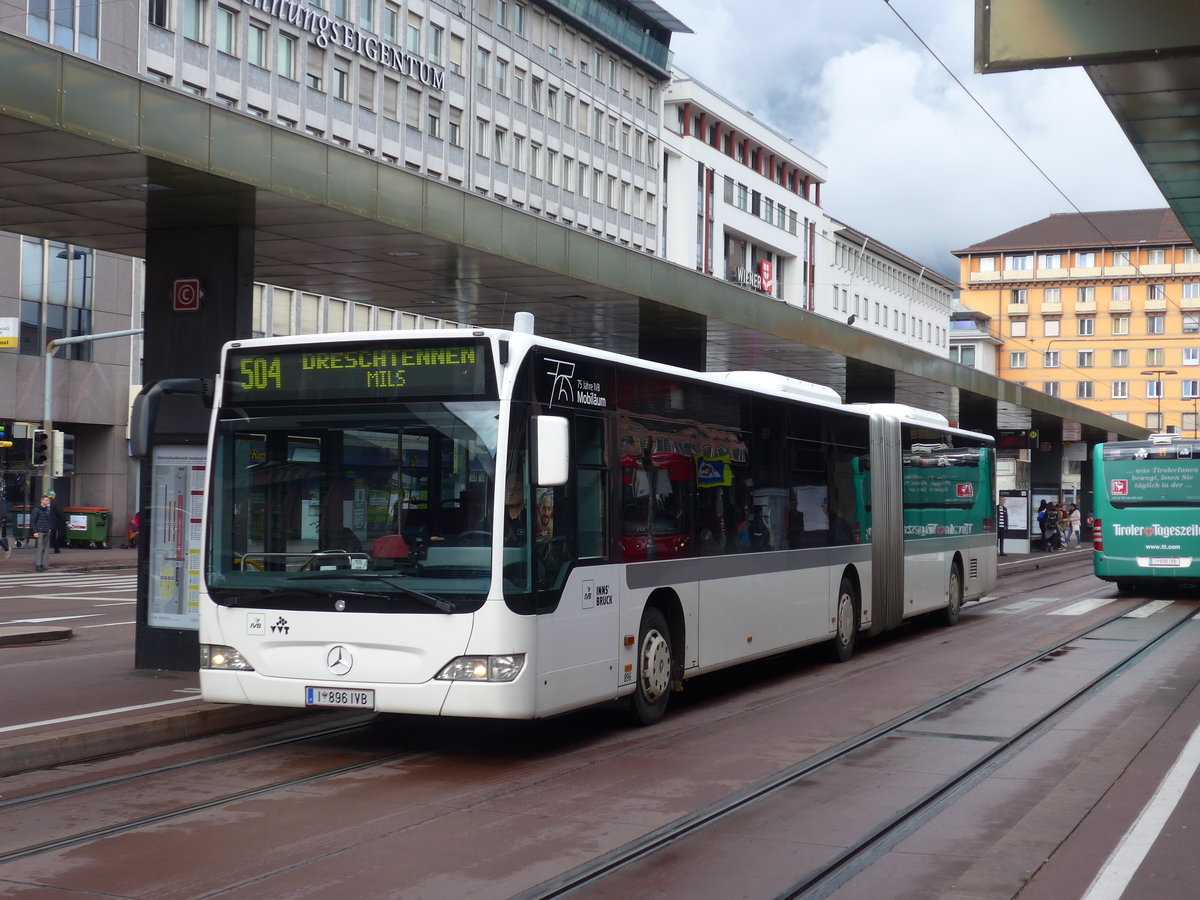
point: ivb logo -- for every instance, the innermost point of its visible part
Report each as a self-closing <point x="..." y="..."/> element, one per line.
<point x="186" y="295"/>
<point x="965" y="490"/>
<point x="1119" y="487"/>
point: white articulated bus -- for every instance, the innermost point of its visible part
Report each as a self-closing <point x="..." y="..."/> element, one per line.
<point x="489" y="523"/>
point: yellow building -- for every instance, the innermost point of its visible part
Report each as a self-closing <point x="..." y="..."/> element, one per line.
<point x="1100" y="308"/>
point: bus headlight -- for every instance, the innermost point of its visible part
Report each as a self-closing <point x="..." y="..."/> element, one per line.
<point x="217" y="656"/>
<point x="483" y="668"/>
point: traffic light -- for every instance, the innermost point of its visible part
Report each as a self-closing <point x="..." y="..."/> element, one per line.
<point x="56" y="454"/>
<point x="64" y="453"/>
<point x="41" y="447"/>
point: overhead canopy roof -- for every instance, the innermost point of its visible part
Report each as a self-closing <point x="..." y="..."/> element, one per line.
<point x="95" y="157"/>
<point x="1143" y="58"/>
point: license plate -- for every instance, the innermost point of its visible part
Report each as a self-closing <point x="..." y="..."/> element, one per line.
<point x="346" y="698"/>
<point x="1170" y="562"/>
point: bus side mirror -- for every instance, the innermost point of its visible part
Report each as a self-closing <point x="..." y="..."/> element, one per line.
<point x="552" y="440"/>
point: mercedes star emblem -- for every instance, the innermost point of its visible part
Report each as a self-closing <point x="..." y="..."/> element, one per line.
<point x="339" y="660"/>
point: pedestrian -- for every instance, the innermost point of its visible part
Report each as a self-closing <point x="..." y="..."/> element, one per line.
<point x="1062" y="526"/>
<point x="4" y="528"/>
<point x="1052" y="535"/>
<point x="1074" y="526"/>
<point x="41" y="523"/>
<point x="1041" y="520"/>
<point x="1001" y="523"/>
<point x="58" y="535"/>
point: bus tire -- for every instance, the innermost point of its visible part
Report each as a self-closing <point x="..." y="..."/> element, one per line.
<point x="1126" y="587"/>
<point x="846" y="636"/>
<point x="954" y="600"/>
<point x="653" y="669"/>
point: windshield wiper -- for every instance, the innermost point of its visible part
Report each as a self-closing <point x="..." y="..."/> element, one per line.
<point x="235" y="596"/>
<point x="428" y="599"/>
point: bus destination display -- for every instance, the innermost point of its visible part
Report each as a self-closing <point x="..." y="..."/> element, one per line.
<point x="356" y="372"/>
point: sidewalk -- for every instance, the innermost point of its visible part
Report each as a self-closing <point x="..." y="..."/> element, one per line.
<point x="69" y="559"/>
<point x="1014" y="563"/>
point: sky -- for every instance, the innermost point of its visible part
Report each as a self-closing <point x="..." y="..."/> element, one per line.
<point x="912" y="160"/>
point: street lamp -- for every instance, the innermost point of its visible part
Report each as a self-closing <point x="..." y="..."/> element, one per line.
<point x="1159" y="373"/>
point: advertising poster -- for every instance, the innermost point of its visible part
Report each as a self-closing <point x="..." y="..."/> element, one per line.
<point x="176" y="507"/>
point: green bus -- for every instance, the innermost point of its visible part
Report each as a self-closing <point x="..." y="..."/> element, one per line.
<point x="1147" y="496"/>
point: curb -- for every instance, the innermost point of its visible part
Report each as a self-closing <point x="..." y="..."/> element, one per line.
<point x="58" y="748"/>
<point x="16" y="636"/>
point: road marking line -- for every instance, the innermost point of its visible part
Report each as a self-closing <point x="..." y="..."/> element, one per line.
<point x="1021" y="606"/>
<point x="93" y="715"/>
<point x="1122" y="864"/>
<point x="1082" y="607"/>
<point x="109" y="624"/>
<point x="49" y="619"/>
<point x="1148" y="610"/>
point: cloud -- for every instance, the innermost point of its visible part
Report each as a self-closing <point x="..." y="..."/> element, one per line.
<point x="913" y="161"/>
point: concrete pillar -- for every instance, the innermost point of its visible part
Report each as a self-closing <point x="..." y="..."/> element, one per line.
<point x="206" y="244"/>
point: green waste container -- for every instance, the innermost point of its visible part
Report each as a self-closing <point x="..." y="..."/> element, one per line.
<point x="18" y="521"/>
<point x="87" y="525"/>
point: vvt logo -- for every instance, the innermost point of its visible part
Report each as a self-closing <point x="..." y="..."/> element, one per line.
<point x="563" y="389"/>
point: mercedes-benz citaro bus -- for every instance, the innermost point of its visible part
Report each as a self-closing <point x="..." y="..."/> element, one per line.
<point x="481" y="522"/>
<point x="1146" y="526"/>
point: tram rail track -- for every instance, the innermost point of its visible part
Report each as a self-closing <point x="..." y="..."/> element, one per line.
<point x="840" y="867"/>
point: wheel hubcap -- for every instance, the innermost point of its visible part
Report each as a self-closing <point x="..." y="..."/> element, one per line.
<point x="845" y="624"/>
<point x="656" y="666"/>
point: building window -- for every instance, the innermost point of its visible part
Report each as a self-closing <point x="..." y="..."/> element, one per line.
<point x="285" y="62"/>
<point x="433" y="118"/>
<point x="194" y="14"/>
<point x="1020" y="297"/>
<point x="1120" y="293"/>
<point x="1156" y="257"/>
<point x="1052" y="296"/>
<point x="1191" y="323"/>
<point x="1191" y="356"/>
<point x="1085" y="295"/>
<point x="1050" y="359"/>
<point x="501" y="85"/>
<point x="1083" y="390"/>
<point x="1121" y="258"/>
<point x="412" y="108"/>
<point x="366" y="88"/>
<point x="1051" y="327"/>
<point x="1050" y="261"/>
<point x="1016" y="359"/>
<point x="482" y="62"/>
<point x="341" y="79"/>
<point x="56" y="296"/>
<point x="963" y="353"/>
<point x="1019" y="327"/>
<point x="1120" y="390"/>
<point x="391" y="22"/>
<point x="1085" y="359"/>
<point x="1155" y="324"/>
<point x="1154" y="421"/>
<point x="1019" y="263"/>
<point x="256" y="46"/>
<point x="1154" y="389"/>
<point x="1086" y="325"/>
<point x="1085" y="260"/>
<point x="454" y="128"/>
<point x="1050" y="388"/>
<point x="434" y="50"/>
<point x="1120" y="324"/>
<point x="156" y="14"/>
<point x="456" y="54"/>
<point x="412" y="34"/>
<point x="1191" y="388"/>
<point x="366" y="14"/>
<point x="1120" y="359"/>
<point x="1156" y="292"/>
<point x="987" y="264"/>
<point x="227" y="30"/>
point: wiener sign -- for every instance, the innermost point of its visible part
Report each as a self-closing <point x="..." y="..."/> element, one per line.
<point x="353" y="372"/>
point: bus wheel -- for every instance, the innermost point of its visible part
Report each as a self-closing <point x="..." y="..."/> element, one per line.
<point x="847" y="621"/>
<point x="653" y="669"/>
<point x="954" y="601"/>
<point x="1126" y="587"/>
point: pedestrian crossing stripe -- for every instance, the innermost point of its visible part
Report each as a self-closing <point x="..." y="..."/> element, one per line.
<point x="1083" y="606"/>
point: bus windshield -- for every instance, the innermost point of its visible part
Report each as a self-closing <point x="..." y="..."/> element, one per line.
<point x="352" y="504"/>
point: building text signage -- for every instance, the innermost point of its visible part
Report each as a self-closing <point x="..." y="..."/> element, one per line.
<point x="326" y="31"/>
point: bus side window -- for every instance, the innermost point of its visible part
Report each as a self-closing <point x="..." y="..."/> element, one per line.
<point x="591" y="487"/>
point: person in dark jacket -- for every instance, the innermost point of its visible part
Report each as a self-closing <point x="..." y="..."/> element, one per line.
<point x="1001" y="524"/>
<point x="41" y="524"/>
